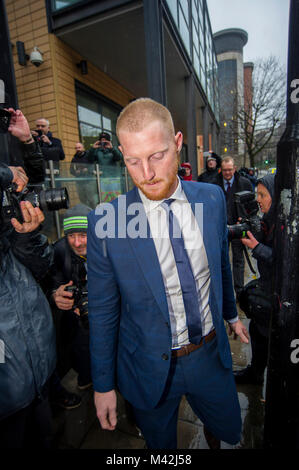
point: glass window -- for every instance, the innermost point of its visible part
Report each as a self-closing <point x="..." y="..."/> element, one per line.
<point x="172" y="4"/>
<point x="95" y="116"/>
<point x="59" y="4"/>
<point x="184" y="30"/>
<point x="185" y="7"/>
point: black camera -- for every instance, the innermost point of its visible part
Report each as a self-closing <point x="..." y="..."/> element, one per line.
<point x="181" y="171"/>
<point x="50" y="199"/>
<point x="103" y="145"/>
<point x="80" y="296"/>
<point x="38" y="137"/>
<point x="4" y="120"/>
<point x="247" y="209"/>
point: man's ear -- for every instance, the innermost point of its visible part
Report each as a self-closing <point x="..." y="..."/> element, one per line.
<point x="179" y="141"/>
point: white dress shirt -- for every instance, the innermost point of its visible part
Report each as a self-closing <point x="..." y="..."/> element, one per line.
<point x="157" y="219"/>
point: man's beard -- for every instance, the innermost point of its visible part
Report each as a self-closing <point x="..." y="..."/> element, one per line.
<point x="165" y="191"/>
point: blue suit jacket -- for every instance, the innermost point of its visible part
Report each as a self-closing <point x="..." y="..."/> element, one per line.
<point x="130" y="335"/>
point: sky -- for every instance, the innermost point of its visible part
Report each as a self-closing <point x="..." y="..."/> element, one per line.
<point x="266" y="22"/>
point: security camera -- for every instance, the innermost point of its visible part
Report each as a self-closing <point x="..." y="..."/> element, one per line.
<point x="36" y="57"/>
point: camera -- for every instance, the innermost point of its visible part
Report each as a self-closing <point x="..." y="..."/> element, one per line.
<point x="181" y="171"/>
<point x="103" y="145"/>
<point x="50" y="199"/>
<point x="247" y="209"/>
<point x="36" y="57"/>
<point x="4" y="120"/>
<point x="80" y="296"/>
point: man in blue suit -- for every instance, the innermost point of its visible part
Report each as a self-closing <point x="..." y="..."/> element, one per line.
<point x="157" y="331"/>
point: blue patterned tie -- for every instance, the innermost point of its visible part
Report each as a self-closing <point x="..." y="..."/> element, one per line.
<point x="187" y="281"/>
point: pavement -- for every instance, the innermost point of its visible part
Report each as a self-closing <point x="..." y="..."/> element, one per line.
<point x="79" y="428"/>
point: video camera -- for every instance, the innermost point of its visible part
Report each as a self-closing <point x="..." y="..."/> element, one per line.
<point x="50" y="199"/>
<point x="247" y="209"/>
<point x="80" y="296"/>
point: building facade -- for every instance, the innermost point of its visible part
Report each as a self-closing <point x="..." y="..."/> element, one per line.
<point x="235" y="90"/>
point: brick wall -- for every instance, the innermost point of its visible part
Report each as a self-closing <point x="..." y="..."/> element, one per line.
<point x="49" y="90"/>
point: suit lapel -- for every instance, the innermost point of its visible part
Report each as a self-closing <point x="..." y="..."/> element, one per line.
<point x="146" y="256"/>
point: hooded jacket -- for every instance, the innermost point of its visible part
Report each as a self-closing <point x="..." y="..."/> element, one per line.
<point x="27" y="335"/>
<point x="210" y="175"/>
<point x="263" y="251"/>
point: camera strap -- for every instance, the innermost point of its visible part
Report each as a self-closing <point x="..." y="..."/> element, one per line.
<point x="248" y="259"/>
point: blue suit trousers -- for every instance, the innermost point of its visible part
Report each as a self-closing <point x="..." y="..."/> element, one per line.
<point x="211" y="392"/>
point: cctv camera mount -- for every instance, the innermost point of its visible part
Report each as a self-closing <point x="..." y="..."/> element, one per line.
<point x="36" y="57"/>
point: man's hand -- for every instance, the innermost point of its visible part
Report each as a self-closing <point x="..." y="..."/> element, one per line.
<point x="239" y="330"/>
<point x="19" y="177"/>
<point x="250" y="242"/>
<point x="63" y="298"/>
<point x="32" y="216"/>
<point x="19" y="126"/>
<point x="45" y="139"/>
<point x="105" y="404"/>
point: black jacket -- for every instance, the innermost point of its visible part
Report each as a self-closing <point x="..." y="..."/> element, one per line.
<point x="263" y="251"/>
<point x="26" y="325"/>
<point x="54" y="151"/>
<point x="240" y="184"/>
<point x="80" y="163"/>
<point x="210" y="176"/>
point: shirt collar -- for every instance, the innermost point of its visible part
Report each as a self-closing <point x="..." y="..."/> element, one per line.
<point x="229" y="181"/>
<point x="150" y="205"/>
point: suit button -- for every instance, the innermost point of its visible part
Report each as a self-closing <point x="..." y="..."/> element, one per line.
<point x="165" y="357"/>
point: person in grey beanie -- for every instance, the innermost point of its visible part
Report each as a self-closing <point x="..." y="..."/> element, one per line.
<point x="262" y="252"/>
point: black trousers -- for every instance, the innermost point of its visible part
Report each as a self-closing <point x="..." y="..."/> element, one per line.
<point x="259" y="347"/>
<point x="30" y="427"/>
<point x="238" y="264"/>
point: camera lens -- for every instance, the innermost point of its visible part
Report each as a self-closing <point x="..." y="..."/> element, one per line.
<point x="54" y="199"/>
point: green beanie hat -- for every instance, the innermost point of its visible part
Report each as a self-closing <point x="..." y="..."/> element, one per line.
<point x="75" y="219"/>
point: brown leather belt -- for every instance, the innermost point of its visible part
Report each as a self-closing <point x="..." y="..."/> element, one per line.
<point x="185" y="350"/>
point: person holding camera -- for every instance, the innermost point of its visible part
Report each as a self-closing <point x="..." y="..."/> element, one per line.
<point x="110" y="161"/>
<point x="66" y="290"/>
<point x="51" y="147"/>
<point x="262" y="252"/>
<point x="81" y="168"/>
<point x="106" y="155"/>
<point x="232" y="182"/>
<point x="26" y="326"/>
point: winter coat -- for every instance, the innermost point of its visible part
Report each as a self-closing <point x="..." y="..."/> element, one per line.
<point x="106" y="158"/>
<point x="210" y="175"/>
<point x="54" y="151"/>
<point x="26" y="327"/>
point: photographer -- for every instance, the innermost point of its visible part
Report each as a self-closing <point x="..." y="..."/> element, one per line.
<point x="51" y="147"/>
<point x="26" y="327"/>
<point x="262" y="252"/>
<point x="231" y="182"/>
<point x="70" y="306"/>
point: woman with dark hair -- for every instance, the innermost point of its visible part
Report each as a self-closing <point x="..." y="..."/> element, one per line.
<point x="262" y="252"/>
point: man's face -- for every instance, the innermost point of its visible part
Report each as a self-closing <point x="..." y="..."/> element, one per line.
<point x="41" y="124"/>
<point x="228" y="170"/>
<point x="151" y="157"/>
<point x="78" y="242"/>
<point x="79" y="148"/>
<point x="263" y="198"/>
<point x="211" y="164"/>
